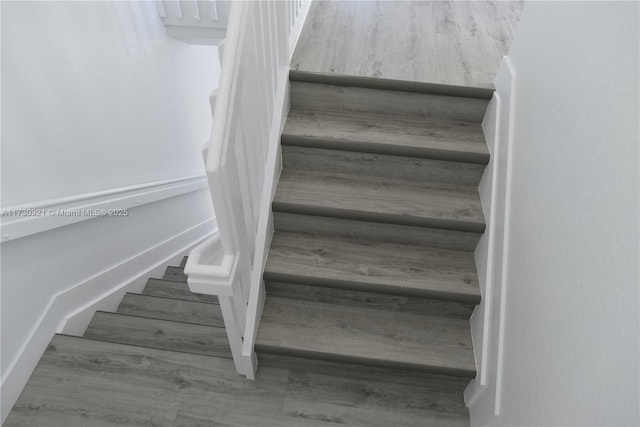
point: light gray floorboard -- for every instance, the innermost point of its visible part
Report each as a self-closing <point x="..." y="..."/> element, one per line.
<point x="389" y="201"/>
<point x="399" y="104"/>
<point x="456" y="43"/>
<point x="176" y="290"/>
<point x="372" y="267"/>
<point x="82" y="382"/>
<point x="376" y="231"/>
<point x="171" y="309"/>
<point x="351" y="298"/>
<point x="380" y="165"/>
<point x="366" y="336"/>
<point x="164" y="334"/>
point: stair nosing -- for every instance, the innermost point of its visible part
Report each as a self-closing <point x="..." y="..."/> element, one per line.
<point x="391" y="84"/>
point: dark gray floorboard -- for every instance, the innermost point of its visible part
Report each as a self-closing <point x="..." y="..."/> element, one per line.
<point x="366" y="336"/>
<point x="373" y="267"/>
<point x="163" y="334"/>
<point x="171" y="309"/>
<point x="176" y="290"/>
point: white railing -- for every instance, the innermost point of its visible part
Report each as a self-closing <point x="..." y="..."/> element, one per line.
<point x="195" y="21"/>
<point x="243" y="165"/>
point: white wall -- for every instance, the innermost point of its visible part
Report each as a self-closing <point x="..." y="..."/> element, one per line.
<point x="568" y="349"/>
<point x="99" y="108"/>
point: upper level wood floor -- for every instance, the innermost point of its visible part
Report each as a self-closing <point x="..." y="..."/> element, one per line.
<point x="445" y="42"/>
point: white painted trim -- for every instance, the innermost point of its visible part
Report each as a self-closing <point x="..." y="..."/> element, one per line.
<point x="62" y="312"/>
<point x="490" y="354"/>
<point x="296" y="30"/>
<point x="507" y="230"/>
<point x="273" y="167"/>
<point x="479" y="384"/>
<point x="50" y="214"/>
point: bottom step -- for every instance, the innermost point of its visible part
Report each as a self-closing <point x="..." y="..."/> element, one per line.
<point x="366" y="336"/>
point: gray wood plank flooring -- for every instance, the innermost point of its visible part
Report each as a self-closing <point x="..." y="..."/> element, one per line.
<point x="176" y="290"/>
<point x="397" y="202"/>
<point x="411" y="169"/>
<point x="456" y="43"/>
<point x="372" y="300"/>
<point x="171" y="309"/>
<point x="400" y="104"/>
<point x="163" y="334"/>
<point x="366" y="336"/>
<point x="376" y="231"/>
<point x="373" y="267"/>
<point x="390" y="84"/>
<point x="453" y="141"/>
<point x="82" y="382"/>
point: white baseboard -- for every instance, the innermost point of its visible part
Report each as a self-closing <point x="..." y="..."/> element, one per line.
<point x="487" y="322"/>
<point x="70" y="310"/>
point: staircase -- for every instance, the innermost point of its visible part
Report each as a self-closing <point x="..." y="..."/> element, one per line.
<point x="370" y="283"/>
<point x="377" y="215"/>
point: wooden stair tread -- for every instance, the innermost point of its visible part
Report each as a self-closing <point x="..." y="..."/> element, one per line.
<point x="361" y="335"/>
<point x="387" y="102"/>
<point x="385" y="166"/>
<point x="171" y="309"/>
<point x="175" y="274"/>
<point x="373" y="266"/>
<point x="375" y="133"/>
<point x="410" y="86"/>
<point x="391" y="201"/>
<point x="176" y="290"/>
<point x="157" y="333"/>
<point x="372" y="300"/>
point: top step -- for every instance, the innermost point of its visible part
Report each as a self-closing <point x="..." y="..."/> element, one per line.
<point x="391" y="84"/>
<point x="312" y="91"/>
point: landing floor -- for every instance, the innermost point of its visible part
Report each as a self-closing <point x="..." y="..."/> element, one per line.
<point x="82" y="382"/>
<point x="446" y="42"/>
